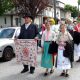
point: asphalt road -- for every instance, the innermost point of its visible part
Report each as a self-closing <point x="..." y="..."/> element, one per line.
<point x="11" y="71"/>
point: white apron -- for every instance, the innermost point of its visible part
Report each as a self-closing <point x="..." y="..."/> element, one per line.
<point x="77" y="49"/>
<point x="62" y="62"/>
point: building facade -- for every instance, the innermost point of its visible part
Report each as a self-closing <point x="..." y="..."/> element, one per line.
<point x="13" y="20"/>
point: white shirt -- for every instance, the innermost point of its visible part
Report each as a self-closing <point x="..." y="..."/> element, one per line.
<point x="18" y="31"/>
<point x="48" y="36"/>
<point x="64" y="37"/>
<point x="27" y="25"/>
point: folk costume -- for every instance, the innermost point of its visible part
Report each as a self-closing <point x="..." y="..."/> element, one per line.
<point x="77" y="41"/>
<point x="55" y="28"/>
<point x="47" y="60"/>
<point x="28" y="31"/>
<point x="63" y="63"/>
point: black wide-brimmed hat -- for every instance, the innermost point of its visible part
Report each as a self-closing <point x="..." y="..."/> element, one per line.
<point x="28" y="15"/>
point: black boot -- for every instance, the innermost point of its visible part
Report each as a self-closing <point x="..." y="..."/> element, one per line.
<point x="32" y="69"/>
<point x="78" y="60"/>
<point x="25" y="69"/>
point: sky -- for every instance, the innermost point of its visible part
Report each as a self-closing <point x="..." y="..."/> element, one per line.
<point x="71" y="2"/>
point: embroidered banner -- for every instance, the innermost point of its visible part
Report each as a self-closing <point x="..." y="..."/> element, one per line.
<point x="26" y="51"/>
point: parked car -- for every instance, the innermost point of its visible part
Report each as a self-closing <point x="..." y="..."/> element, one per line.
<point x="7" y="42"/>
<point x="0" y="29"/>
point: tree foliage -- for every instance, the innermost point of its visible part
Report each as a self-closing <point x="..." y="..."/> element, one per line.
<point x="68" y="7"/>
<point x="79" y="2"/>
<point x="74" y="12"/>
<point x="34" y="7"/>
<point x="72" y="9"/>
<point x="5" y="5"/>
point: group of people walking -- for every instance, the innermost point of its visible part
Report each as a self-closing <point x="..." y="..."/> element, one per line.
<point x="62" y="41"/>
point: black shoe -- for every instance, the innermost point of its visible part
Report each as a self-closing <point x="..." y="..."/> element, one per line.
<point x="32" y="72"/>
<point x="45" y="74"/>
<point x="32" y="69"/>
<point x="66" y="75"/>
<point x="51" y="71"/>
<point x="24" y="70"/>
<point x="78" y="60"/>
<point x="62" y="74"/>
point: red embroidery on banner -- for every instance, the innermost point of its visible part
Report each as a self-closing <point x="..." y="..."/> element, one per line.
<point x="25" y="52"/>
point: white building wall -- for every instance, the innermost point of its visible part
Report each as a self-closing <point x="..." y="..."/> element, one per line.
<point x="48" y="13"/>
<point x="1" y="21"/>
<point x="14" y="21"/>
<point x="38" y="21"/>
<point x="8" y="21"/>
<point x="61" y="5"/>
<point x="5" y="21"/>
<point x="17" y="21"/>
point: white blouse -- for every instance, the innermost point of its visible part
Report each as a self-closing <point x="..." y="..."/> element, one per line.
<point x="48" y="36"/>
<point x="64" y="37"/>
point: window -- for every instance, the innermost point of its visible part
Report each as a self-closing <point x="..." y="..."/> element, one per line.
<point x="5" y="21"/>
<point x="16" y="19"/>
<point x="7" y="33"/>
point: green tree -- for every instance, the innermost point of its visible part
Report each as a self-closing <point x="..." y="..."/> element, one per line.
<point x="72" y="9"/>
<point x="78" y="1"/>
<point x="68" y="7"/>
<point x="5" y="5"/>
<point x="74" y="12"/>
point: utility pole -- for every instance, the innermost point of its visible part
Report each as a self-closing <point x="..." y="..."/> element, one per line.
<point x="55" y="9"/>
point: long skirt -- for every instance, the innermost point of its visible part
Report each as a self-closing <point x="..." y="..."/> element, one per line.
<point x="63" y="63"/>
<point x="77" y="49"/>
<point x="47" y="59"/>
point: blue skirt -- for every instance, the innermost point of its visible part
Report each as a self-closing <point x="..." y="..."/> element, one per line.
<point x="46" y="60"/>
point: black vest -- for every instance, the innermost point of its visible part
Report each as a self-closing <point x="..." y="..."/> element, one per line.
<point x="29" y="33"/>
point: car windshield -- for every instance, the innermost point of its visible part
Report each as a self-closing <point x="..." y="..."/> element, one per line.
<point x="7" y="33"/>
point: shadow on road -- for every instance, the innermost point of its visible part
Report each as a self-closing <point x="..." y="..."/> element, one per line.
<point x="1" y="60"/>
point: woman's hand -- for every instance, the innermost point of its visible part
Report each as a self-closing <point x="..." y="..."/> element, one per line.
<point x="62" y="43"/>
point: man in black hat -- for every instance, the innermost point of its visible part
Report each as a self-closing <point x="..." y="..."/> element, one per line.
<point x="28" y="31"/>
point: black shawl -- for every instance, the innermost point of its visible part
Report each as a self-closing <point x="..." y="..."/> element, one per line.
<point x="68" y="52"/>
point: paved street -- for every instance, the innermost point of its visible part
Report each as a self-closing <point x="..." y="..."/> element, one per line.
<point x="11" y="71"/>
